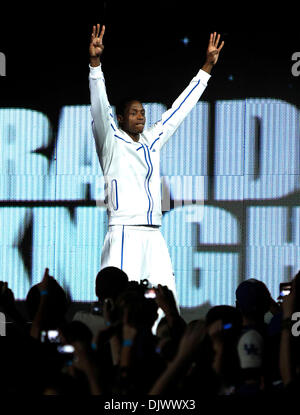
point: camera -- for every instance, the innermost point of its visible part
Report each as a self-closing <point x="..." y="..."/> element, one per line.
<point x="150" y="293"/>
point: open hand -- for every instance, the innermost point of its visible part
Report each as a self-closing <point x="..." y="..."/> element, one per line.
<point x="165" y="299"/>
<point x="96" y="44"/>
<point x="213" y="50"/>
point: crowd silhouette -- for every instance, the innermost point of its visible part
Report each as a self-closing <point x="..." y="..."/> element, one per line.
<point x="113" y="349"/>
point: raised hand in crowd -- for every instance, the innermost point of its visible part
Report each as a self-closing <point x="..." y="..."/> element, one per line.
<point x="83" y="361"/>
<point x="8" y="304"/>
<point x="42" y="287"/>
<point x="188" y="348"/>
<point x="166" y="301"/>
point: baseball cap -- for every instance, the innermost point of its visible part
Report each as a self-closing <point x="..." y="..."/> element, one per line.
<point x="250" y="349"/>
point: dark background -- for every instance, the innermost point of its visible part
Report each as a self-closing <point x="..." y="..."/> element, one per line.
<point x="46" y="48"/>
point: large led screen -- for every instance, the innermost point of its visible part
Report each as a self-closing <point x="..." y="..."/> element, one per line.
<point x="231" y="205"/>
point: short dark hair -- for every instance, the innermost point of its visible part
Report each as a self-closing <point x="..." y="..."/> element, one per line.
<point x="110" y="282"/>
<point x="252" y="297"/>
<point x="123" y="103"/>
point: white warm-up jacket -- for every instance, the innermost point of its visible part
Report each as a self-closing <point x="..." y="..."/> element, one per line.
<point x="131" y="169"/>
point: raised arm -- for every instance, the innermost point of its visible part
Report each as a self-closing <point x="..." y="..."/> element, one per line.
<point x="212" y="53"/>
<point x="103" y="121"/>
<point x="96" y="45"/>
<point x="181" y="107"/>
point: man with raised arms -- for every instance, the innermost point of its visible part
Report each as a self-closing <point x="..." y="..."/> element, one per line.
<point x="129" y="157"/>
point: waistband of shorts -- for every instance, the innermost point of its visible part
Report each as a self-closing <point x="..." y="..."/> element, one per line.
<point x="136" y="227"/>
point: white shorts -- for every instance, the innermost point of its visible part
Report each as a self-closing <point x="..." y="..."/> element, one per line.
<point x="141" y="252"/>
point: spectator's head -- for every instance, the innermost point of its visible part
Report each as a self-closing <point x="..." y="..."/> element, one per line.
<point x="227" y="314"/>
<point x="250" y="351"/>
<point x="110" y="283"/>
<point x="57" y="304"/>
<point x="253" y="299"/>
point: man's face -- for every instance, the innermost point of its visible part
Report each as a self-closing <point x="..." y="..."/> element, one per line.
<point x="133" y="121"/>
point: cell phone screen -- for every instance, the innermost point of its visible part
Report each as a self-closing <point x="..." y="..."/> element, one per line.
<point x="150" y="293"/>
<point x="51" y="336"/>
<point x="284" y="289"/>
<point x="65" y="349"/>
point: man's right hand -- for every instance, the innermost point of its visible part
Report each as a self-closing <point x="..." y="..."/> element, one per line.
<point x="96" y="46"/>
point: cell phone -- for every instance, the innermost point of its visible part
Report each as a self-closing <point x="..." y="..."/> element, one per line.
<point x="65" y="349"/>
<point x="227" y="326"/>
<point x="284" y="289"/>
<point x="150" y="293"/>
<point x="51" y="336"/>
<point x="96" y="309"/>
